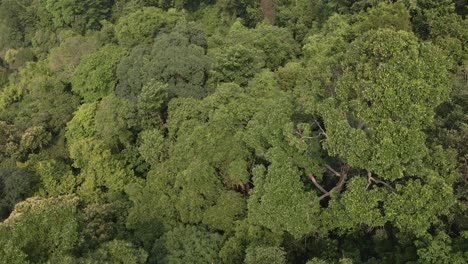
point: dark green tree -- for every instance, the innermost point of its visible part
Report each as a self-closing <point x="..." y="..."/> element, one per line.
<point x="79" y="15"/>
<point x="173" y="60"/>
<point x="15" y="185"/>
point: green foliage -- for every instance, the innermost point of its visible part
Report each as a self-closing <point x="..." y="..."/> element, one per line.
<point x="300" y="16"/>
<point x="279" y="203"/>
<point x="358" y="206"/>
<point x="385" y="15"/>
<point x="34" y="73"/>
<point x="438" y="249"/>
<point x="103" y="222"/>
<point x="9" y="140"/>
<point x="4" y="72"/>
<point x="34" y="138"/>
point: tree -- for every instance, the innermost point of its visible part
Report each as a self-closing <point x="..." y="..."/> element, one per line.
<point x="384" y="101"/>
<point x="12" y="24"/>
<point x="266" y="255"/>
<point x="42" y="229"/>
<point x="83" y="124"/>
<point x="4" y="72"/>
<point x="17" y="58"/>
<point x="278" y="202"/>
<point x="56" y="177"/>
<point x="153" y="146"/>
<point x="237" y="64"/>
<point x="188" y="244"/>
<point x="300" y="16"/>
<point x="103" y="177"/>
<point x="9" y="141"/>
<point x="115" y="118"/>
<point x="64" y="59"/>
<point x="172" y="59"/>
<point x="151" y="104"/>
<point x="141" y="26"/>
<point x="277" y="44"/>
<point x="438" y="21"/>
<point x="246" y="9"/>
<point x="104" y="222"/>
<point x="229" y="208"/>
<point x="180" y="64"/>
<point x="15" y="185"/>
<point x="79" y="15"/>
<point x="40" y="100"/>
<point x="117" y="251"/>
<point x="94" y="78"/>
<point x="175" y="131"/>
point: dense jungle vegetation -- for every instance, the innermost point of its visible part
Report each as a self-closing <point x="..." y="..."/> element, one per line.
<point x="233" y="131"/>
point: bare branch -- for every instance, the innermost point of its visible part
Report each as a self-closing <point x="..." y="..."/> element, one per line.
<point x="376" y="181"/>
<point x="321" y="128"/>
<point x="346" y="119"/>
<point x="339" y="186"/>
<point x="361" y="125"/>
<point x="341" y="183"/>
<point x="369" y="179"/>
<point x="314" y="181"/>
<point x="386" y="184"/>
<point x="332" y="170"/>
<point x="325" y="195"/>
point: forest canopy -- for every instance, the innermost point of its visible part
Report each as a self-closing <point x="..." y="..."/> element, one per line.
<point x="233" y="131"/>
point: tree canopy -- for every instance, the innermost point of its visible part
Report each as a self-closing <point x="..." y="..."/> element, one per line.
<point x="233" y="131"/>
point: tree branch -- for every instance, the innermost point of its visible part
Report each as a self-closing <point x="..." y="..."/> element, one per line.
<point x="320" y="127"/>
<point x="325" y="195"/>
<point x="314" y="181"/>
<point x="301" y="136"/>
<point x="332" y="170"/>
<point x="345" y="115"/>
<point x="361" y="125"/>
<point x="339" y="186"/>
<point x="371" y="179"/>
